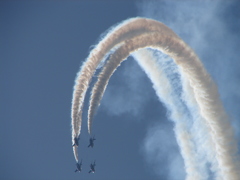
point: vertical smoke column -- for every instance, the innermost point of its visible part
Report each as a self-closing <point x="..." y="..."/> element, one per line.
<point x="204" y="143"/>
<point x="178" y="114"/>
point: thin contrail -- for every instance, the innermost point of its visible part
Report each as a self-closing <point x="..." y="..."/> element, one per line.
<point x="204" y="90"/>
<point x="75" y="152"/>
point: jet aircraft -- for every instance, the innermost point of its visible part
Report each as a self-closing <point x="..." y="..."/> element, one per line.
<point x="76" y="141"/>
<point x="79" y="167"/>
<point x="91" y="144"/>
<point x="92" y="167"/>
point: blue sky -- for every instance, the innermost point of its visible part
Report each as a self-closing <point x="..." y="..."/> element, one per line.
<point x="43" y="44"/>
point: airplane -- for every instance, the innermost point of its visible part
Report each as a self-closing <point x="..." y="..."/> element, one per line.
<point x="92" y="166"/>
<point x="76" y="141"/>
<point x="91" y="142"/>
<point x="79" y="167"/>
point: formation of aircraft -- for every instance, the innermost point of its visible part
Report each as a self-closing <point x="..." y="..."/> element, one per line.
<point x="76" y="139"/>
<point x="92" y="167"/>
<point x="79" y="167"/>
<point x="91" y="143"/>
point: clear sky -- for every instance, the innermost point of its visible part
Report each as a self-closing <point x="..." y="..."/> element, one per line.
<point x="43" y="44"/>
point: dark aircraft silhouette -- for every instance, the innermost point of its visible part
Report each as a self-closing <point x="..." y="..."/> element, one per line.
<point x="92" y="167"/>
<point x="91" y="144"/>
<point x="79" y="167"/>
<point x="76" y="141"/>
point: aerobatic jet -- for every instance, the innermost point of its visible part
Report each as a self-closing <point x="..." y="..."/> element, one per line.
<point x="76" y="141"/>
<point x="91" y="144"/>
<point x="79" y="167"/>
<point x="92" y="167"/>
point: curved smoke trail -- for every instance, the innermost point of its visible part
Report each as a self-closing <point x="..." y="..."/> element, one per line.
<point x="121" y="53"/>
<point x="146" y="60"/>
<point x="205" y="93"/>
<point x="127" y="29"/>
<point x="195" y="170"/>
<point x="75" y="152"/>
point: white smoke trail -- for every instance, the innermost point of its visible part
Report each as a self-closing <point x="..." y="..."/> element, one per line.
<point x="75" y="152"/>
<point x="147" y="61"/>
<point x="127" y="29"/>
<point x="97" y="95"/>
<point x="204" y="143"/>
<point x="163" y="89"/>
<point x="205" y="93"/>
<point x="199" y="132"/>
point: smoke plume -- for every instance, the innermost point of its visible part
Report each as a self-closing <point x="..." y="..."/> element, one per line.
<point x="203" y="89"/>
